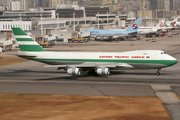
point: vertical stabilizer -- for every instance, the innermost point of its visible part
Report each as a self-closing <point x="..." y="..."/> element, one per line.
<point x="173" y="23"/>
<point x="134" y="27"/>
<point x="25" y="42"/>
<point x="160" y="24"/>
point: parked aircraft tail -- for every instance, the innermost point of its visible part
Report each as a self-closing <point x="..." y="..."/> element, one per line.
<point x="25" y="42"/>
<point x="173" y="23"/>
<point x="135" y="25"/>
<point x="160" y="24"/>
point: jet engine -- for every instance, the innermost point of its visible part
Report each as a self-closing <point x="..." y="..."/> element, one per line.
<point x="103" y="71"/>
<point x="104" y="37"/>
<point x="115" y="37"/>
<point x="101" y="38"/>
<point x="73" y="71"/>
<point x="98" y="38"/>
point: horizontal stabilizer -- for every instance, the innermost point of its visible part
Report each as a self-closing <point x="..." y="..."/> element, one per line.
<point x="25" y="54"/>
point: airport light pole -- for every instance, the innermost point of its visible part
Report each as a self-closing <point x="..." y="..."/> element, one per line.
<point x="118" y="20"/>
<point x="156" y="14"/>
<point x="20" y="21"/>
<point x="107" y="17"/>
<point x="149" y="16"/>
<point x="85" y="17"/>
<point x="20" y="17"/>
<point x="98" y="19"/>
<point x="74" y="20"/>
<point x="163" y="13"/>
<point x="57" y="14"/>
<point x="132" y="16"/>
<point x="41" y="25"/>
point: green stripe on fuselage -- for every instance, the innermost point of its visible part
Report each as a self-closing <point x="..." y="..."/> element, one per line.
<point x="31" y="48"/>
<point x="162" y="62"/>
<point x="24" y="39"/>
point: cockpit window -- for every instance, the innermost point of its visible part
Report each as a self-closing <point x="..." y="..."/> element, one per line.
<point x="163" y="52"/>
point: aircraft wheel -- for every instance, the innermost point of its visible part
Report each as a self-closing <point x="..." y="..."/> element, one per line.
<point x="158" y="73"/>
<point x="91" y="72"/>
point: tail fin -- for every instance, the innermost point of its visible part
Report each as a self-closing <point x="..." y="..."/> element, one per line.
<point x="25" y="42"/>
<point x="160" y="24"/>
<point x="175" y="19"/>
<point x="173" y="23"/>
<point x="135" y="25"/>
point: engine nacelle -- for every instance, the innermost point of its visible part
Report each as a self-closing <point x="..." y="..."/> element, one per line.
<point x="104" y="37"/>
<point x="103" y="71"/>
<point x="115" y="37"/>
<point x="73" y="71"/>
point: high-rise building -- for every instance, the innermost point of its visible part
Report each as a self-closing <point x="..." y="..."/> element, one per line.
<point x="25" y="4"/>
<point x="166" y="4"/>
<point x="172" y="4"/>
<point x="45" y="3"/>
<point x="40" y="3"/>
<point x="5" y="3"/>
<point x="177" y="4"/>
<point x="54" y="3"/>
<point x="159" y="4"/>
<point x="130" y="5"/>
<point x="144" y="4"/>
<point x="153" y="4"/>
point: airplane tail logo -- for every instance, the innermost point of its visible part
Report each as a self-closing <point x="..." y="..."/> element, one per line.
<point x="134" y="26"/>
<point x="173" y="23"/>
<point x="161" y="25"/>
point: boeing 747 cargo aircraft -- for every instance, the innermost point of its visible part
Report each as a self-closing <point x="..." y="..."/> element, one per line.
<point x="100" y="63"/>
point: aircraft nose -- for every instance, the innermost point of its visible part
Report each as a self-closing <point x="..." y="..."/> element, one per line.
<point x="174" y="61"/>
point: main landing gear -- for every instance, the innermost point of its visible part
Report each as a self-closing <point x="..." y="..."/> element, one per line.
<point x="92" y="72"/>
<point x="158" y="73"/>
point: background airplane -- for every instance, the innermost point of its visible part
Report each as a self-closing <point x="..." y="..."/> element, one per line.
<point x="92" y="62"/>
<point x="151" y="30"/>
<point x="173" y="23"/>
<point x="115" y="34"/>
<point x="170" y="25"/>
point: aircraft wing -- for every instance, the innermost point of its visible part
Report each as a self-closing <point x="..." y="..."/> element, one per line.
<point x="93" y="65"/>
<point x="159" y="29"/>
<point x="133" y="33"/>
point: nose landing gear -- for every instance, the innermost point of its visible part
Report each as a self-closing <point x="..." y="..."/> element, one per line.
<point x="158" y="73"/>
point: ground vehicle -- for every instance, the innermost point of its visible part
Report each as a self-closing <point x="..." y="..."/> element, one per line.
<point x="6" y="45"/>
<point x="170" y="34"/>
<point x="46" y="41"/>
<point x="78" y="40"/>
<point x="76" y="37"/>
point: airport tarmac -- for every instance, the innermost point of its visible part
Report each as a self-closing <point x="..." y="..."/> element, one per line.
<point x="32" y="78"/>
<point x="24" y="76"/>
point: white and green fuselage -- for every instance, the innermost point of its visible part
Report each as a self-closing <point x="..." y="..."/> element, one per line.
<point x="86" y="61"/>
